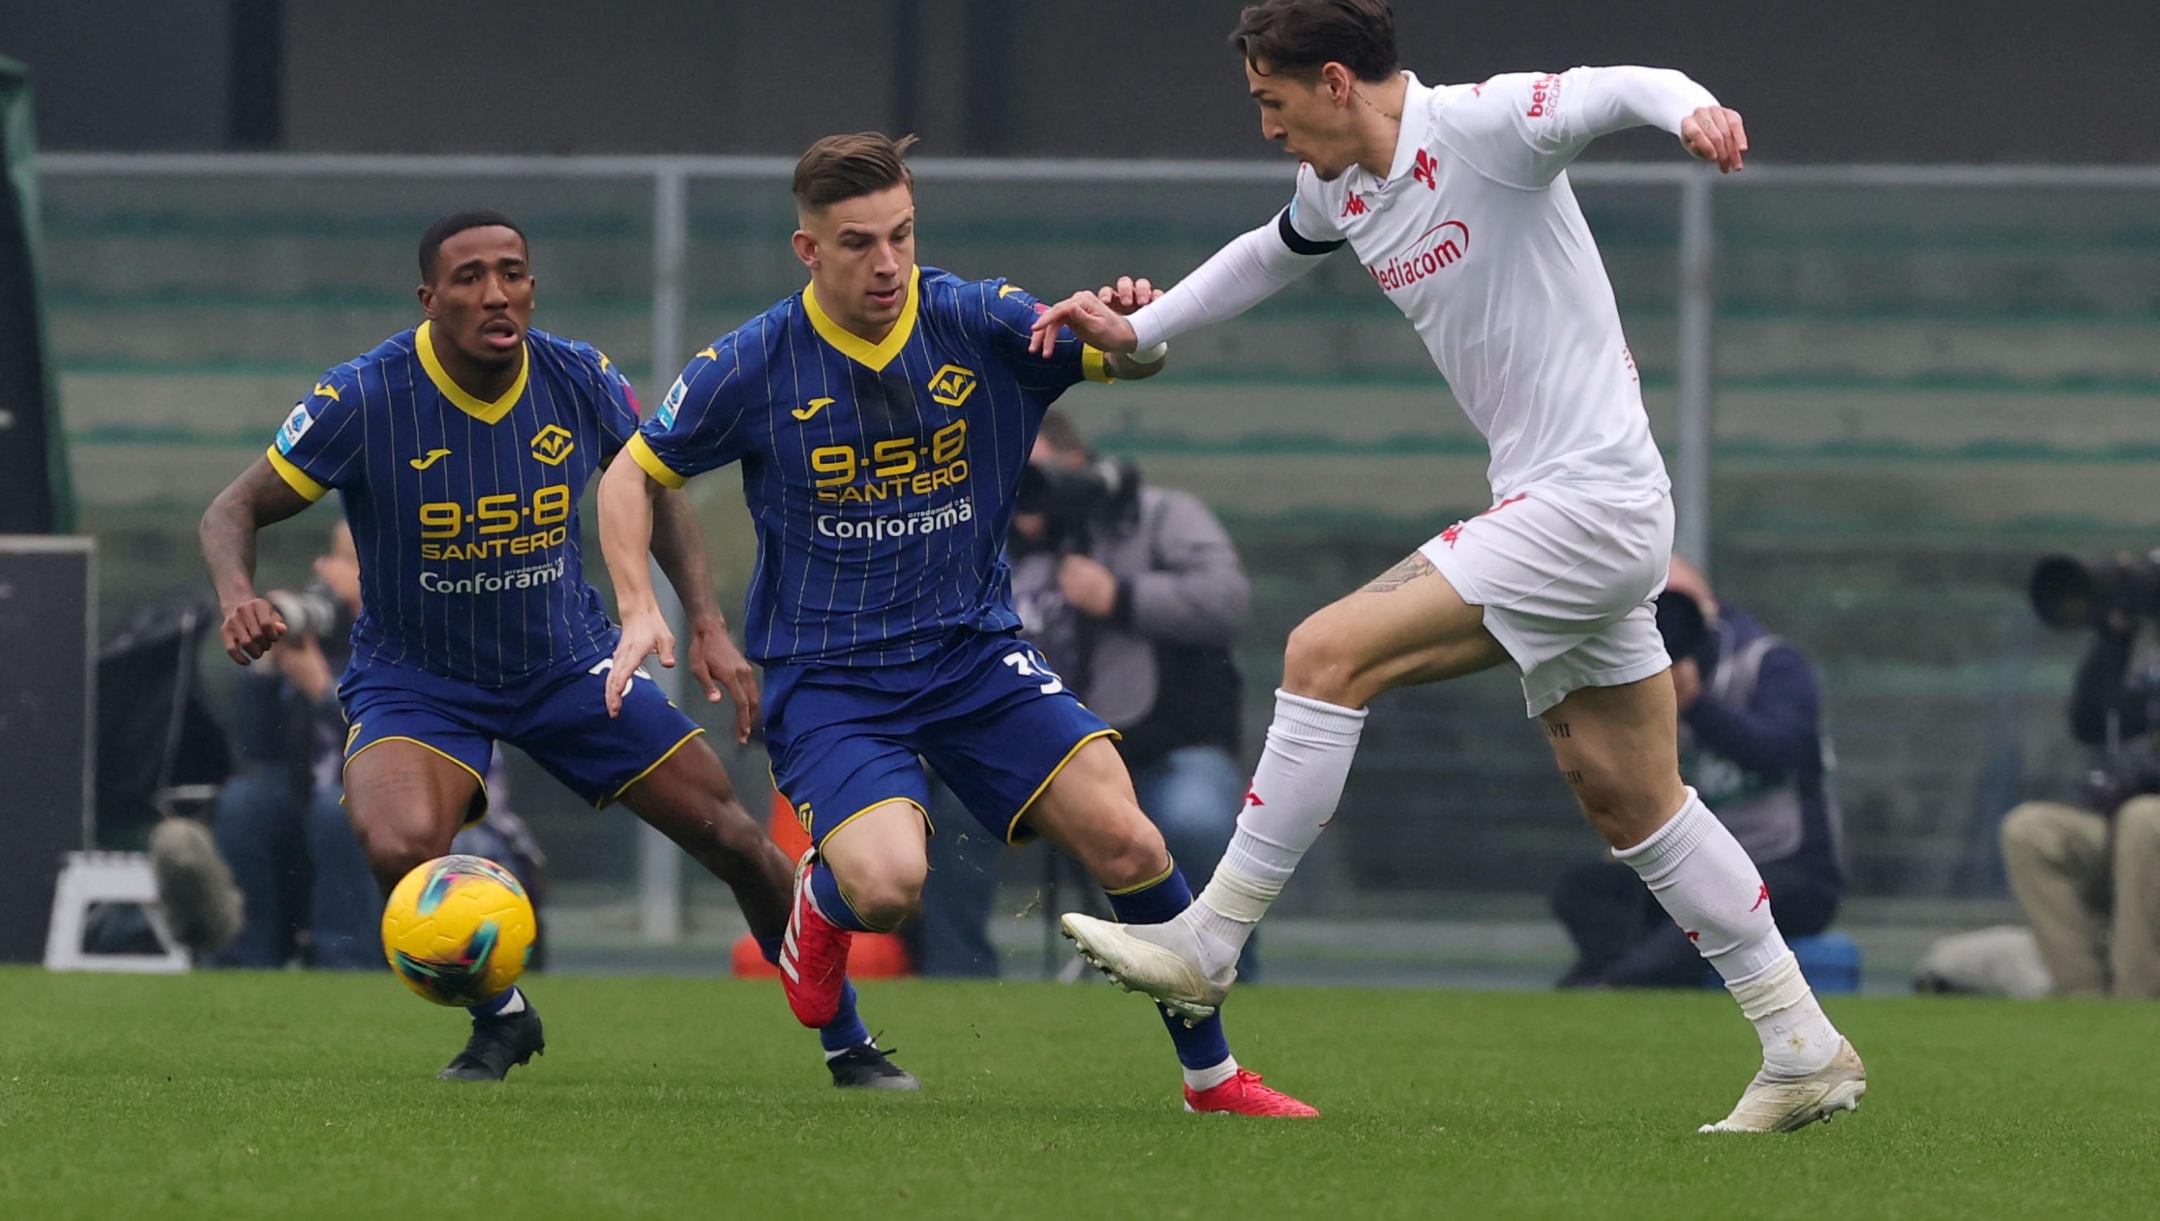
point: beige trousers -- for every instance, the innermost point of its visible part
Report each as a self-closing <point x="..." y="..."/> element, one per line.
<point x="2094" y="902"/>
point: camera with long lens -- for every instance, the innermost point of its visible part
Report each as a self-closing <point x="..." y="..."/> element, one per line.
<point x="312" y="611"/>
<point x="1075" y="502"/>
<point x="2070" y="592"/>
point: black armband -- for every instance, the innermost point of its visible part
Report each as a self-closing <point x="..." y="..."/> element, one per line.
<point x="1298" y="242"/>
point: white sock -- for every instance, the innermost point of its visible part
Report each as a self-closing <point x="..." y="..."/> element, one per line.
<point x="1197" y="1079"/>
<point x="1707" y="884"/>
<point x="1294" y="792"/>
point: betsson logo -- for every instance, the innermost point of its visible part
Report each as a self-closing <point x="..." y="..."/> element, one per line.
<point x="1441" y="246"/>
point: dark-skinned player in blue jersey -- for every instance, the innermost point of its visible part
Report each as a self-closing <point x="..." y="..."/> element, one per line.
<point x="883" y="417"/>
<point x="458" y="449"/>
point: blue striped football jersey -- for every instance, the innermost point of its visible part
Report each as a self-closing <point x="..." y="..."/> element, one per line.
<point x="881" y="476"/>
<point x="464" y="512"/>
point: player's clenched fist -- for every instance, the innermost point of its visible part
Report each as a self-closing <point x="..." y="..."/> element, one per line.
<point x="643" y="635"/>
<point x="1715" y="133"/>
<point x="250" y="628"/>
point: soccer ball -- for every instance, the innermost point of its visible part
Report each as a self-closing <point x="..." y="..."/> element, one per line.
<point x="458" y="930"/>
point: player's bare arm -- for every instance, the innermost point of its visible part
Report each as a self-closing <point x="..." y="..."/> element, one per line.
<point x="626" y="501"/>
<point x="715" y="662"/>
<point x="259" y="497"/>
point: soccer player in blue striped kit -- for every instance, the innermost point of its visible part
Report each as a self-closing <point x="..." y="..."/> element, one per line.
<point x="458" y="449"/>
<point x="883" y="417"/>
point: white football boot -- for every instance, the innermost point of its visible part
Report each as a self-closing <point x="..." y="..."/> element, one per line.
<point x="1161" y="960"/>
<point x="1785" y="1104"/>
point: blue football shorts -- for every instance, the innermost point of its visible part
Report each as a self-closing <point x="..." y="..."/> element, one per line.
<point x="559" y="717"/>
<point x="986" y="711"/>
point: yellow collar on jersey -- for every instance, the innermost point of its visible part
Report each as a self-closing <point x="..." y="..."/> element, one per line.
<point x="874" y="355"/>
<point x="485" y="412"/>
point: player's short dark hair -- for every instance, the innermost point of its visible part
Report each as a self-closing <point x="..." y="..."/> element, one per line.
<point x="1296" y="38"/>
<point x="450" y="226"/>
<point x="851" y="166"/>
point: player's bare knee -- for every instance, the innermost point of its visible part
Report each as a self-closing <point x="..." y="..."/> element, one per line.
<point x="394" y="851"/>
<point x="1126" y="852"/>
<point x="886" y="894"/>
<point x="1620" y="819"/>
<point x="1321" y="663"/>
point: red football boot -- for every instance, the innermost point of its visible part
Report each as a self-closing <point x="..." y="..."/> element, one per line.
<point x="813" y="958"/>
<point x="1243" y="1094"/>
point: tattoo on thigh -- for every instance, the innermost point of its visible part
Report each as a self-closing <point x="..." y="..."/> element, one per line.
<point x="1557" y="729"/>
<point x="1573" y="777"/>
<point x="1410" y="569"/>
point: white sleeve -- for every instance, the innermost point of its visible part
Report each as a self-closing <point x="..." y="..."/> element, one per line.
<point x="1525" y="127"/>
<point x="1249" y="270"/>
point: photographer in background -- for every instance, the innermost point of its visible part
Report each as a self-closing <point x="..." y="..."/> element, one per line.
<point x="2088" y="875"/>
<point x="1134" y="594"/>
<point x="1751" y="743"/>
<point x="279" y="823"/>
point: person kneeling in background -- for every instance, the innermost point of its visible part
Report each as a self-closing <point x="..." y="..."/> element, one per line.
<point x="2088" y="875"/>
<point x="1751" y="744"/>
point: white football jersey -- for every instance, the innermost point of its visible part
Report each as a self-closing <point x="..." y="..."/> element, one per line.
<point x="1476" y="236"/>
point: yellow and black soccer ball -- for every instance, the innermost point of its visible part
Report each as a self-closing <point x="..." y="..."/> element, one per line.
<point x="458" y="930"/>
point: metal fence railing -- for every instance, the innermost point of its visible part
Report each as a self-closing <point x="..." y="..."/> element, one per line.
<point x="1882" y="389"/>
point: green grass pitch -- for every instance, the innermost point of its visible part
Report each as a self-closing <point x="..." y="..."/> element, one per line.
<point x="304" y="1096"/>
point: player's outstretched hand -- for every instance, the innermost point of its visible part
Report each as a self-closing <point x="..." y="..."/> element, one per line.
<point x="1090" y="317"/>
<point x="718" y="664"/>
<point x="1127" y="295"/>
<point x="642" y="636"/>
<point x="1715" y="133"/>
<point x="250" y="628"/>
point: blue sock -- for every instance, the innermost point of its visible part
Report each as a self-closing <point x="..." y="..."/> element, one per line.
<point x="825" y="892"/>
<point x="497" y="1003"/>
<point x="847" y="1029"/>
<point x="1202" y="1044"/>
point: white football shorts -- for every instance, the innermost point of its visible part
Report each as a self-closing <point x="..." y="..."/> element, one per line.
<point x="1566" y="576"/>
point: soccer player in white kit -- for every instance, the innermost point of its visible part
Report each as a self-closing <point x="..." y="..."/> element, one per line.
<point x="1456" y="200"/>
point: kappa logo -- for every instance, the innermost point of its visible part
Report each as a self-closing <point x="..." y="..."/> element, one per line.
<point x="551" y="445"/>
<point x="804" y="413"/>
<point x="1454" y="532"/>
<point x="1353" y="206"/>
<point x="951" y="385"/>
<point x="1763" y="897"/>
<point x="433" y="456"/>
<point x="1426" y="170"/>
<point x="328" y="391"/>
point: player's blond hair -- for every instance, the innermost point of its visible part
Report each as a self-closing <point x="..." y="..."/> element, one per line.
<point x="848" y="167"/>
